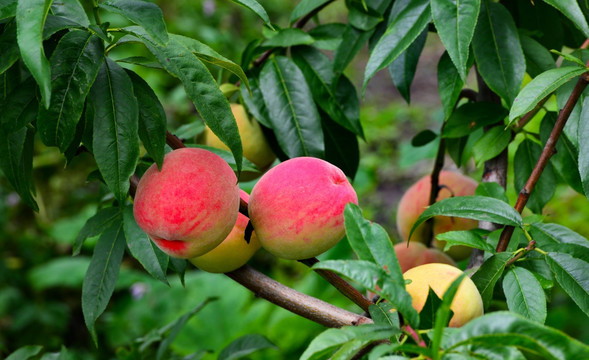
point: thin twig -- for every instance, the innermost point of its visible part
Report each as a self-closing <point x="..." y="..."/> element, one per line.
<point x="530" y="115"/>
<point x="547" y="153"/>
<point x="174" y="141"/>
<point x="531" y="246"/>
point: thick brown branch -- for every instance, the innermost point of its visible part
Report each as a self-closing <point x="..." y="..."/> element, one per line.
<point x="547" y="153"/>
<point x="304" y="305"/>
<point x="340" y="284"/>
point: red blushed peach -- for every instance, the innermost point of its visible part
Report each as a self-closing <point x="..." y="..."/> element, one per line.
<point x="415" y="254"/>
<point x="233" y="252"/>
<point x="297" y="207"/>
<point x="467" y="303"/>
<point x="416" y="200"/>
<point x="189" y="206"/>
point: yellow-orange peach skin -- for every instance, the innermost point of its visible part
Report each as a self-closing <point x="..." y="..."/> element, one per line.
<point x="415" y="254"/>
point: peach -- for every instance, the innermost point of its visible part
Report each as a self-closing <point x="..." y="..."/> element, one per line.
<point x="189" y="206"/>
<point x="416" y="199"/>
<point x="254" y="144"/>
<point x="233" y="252"/>
<point x="467" y="303"/>
<point x="415" y="254"/>
<point x="297" y="207"/>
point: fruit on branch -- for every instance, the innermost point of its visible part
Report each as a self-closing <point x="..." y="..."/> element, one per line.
<point x="233" y="252"/>
<point x="189" y="206"/>
<point x="297" y="207"/>
<point x="254" y="144"/>
<point x="415" y="254"/>
<point x="467" y="303"/>
<point x="416" y="199"/>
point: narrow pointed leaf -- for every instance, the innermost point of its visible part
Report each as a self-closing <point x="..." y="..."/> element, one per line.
<point x="254" y="6"/>
<point x="499" y="56"/>
<point x="289" y="37"/>
<point x="72" y="10"/>
<point x="145" y="14"/>
<point x="95" y="225"/>
<point x="538" y="58"/>
<point x="449" y="84"/>
<point x="352" y="42"/>
<point x="571" y="10"/>
<point x="479" y="208"/>
<point x="524" y="294"/>
<point x="402" y="70"/>
<point x="413" y="16"/>
<point x="7" y="8"/>
<point x="304" y="7"/>
<point x="16" y="162"/>
<point x="30" y="18"/>
<point x="548" y="234"/>
<point x="25" y="352"/>
<point x="583" y="159"/>
<point x="341" y="145"/>
<point x="455" y="22"/>
<point x="293" y="114"/>
<point x="116" y="143"/>
<point x="491" y="189"/>
<point x="74" y="66"/>
<point x="17" y="107"/>
<point x="444" y="314"/>
<point x="472" y="116"/>
<point x="143" y="249"/>
<point x="152" y="119"/>
<point x="491" y="144"/>
<point x="571" y="275"/>
<point x="245" y="345"/>
<point x="383" y="314"/>
<point x="464" y="237"/>
<point x="488" y="274"/>
<point x="540" y="87"/>
<point x="9" y="46"/>
<point x="101" y="276"/>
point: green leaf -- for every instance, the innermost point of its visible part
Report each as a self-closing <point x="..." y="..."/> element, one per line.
<point x="455" y="22"/>
<point x="371" y="242"/>
<point x="292" y="112"/>
<point x="304" y="7"/>
<point x="423" y="138"/>
<point x="74" y="66"/>
<point x="402" y="70"/>
<point x="152" y="119"/>
<point x="509" y="329"/>
<point x="115" y="143"/>
<point x="206" y="53"/>
<point x="427" y="315"/>
<point x="444" y="314"/>
<point x="538" y="58"/>
<point x="583" y="159"/>
<point x="497" y="51"/>
<point x="542" y="86"/>
<point x="527" y="155"/>
<point x="491" y="189"/>
<point x="571" y="275"/>
<point x="472" y="116"/>
<point x="376" y="279"/>
<point x="7" y="8"/>
<point x="325" y="344"/>
<point x="54" y="24"/>
<point x="571" y="10"/>
<point x="200" y="87"/>
<point x="547" y="234"/>
<point x="254" y="6"/>
<point x="30" y="18"/>
<point x="9" y="46"/>
<point x="341" y="145"/>
<point x="491" y="144"/>
<point x="479" y="208"/>
<point x="95" y="225"/>
<point x="254" y="101"/>
<point x="101" y="277"/>
<point x="289" y="37"/>
<point x="179" y="266"/>
<point x="449" y="84"/>
<point x="471" y="238"/>
<point x="145" y="14"/>
<point x="16" y="162"/>
<point x="72" y="10"/>
<point x="244" y="346"/>
<point x="488" y="274"/>
<point x="143" y="249"/>
<point x="318" y="71"/>
<point x="25" y="352"/>
<point x="328" y="36"/>
<point x="352" y="42"/>
<point x="524" y="294"/>
<point x="20" y="106"/>
<point x="412" y="17"/>
<point x="383" y="313"/>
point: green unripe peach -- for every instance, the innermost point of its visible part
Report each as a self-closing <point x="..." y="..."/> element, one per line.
<point x="416" y="200"/>
<point x="233" y="252"/>
<point x="297" y="207"/>
<point x="414" y="253"/>
<point x="189" y="206"/>
<point x="254" y="144"/>
<point x="467" y="303"/>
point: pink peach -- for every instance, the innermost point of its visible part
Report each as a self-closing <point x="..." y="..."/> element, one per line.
<point x="415" y="254"/>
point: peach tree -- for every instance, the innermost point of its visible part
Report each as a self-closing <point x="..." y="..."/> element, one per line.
<point x="63" y="85"/>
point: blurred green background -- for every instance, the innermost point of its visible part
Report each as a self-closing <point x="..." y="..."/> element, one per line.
<point x="40" y="282"/>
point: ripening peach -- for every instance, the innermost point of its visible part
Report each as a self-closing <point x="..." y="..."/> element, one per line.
<point x="189" y="206"/>
<point x="416" y="200"/>
<point x="297" y="207"/>
<point x="233" y="252"/>
<point x="467" y="303"/>
<point x="414" y="253"/>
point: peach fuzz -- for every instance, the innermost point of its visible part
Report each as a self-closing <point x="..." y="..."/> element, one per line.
<point x="189" y="206"/>
<point x="297" y="207"/>
<point x="467" y="303"/>
<point x="416" y="200"/>
<point x="415" y="254"/>
<point x="233" y="252"/>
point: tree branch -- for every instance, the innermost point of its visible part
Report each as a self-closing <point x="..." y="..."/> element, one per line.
<point x="547" y="153"/>
<point x="301" y="304"/>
